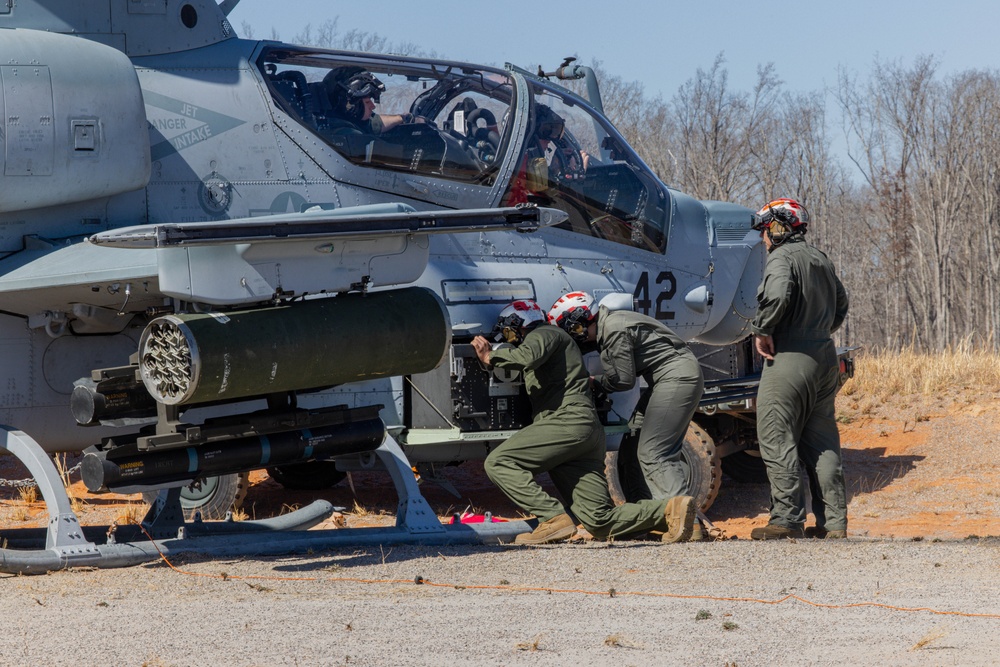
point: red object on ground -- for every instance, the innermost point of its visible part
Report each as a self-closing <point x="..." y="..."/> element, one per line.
<point x="475" y="518"/>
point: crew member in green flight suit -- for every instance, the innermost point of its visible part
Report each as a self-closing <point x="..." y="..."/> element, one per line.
<point x="801" y="302"/>
<point x="633" y="345"/>
<point x="565" y="439"/>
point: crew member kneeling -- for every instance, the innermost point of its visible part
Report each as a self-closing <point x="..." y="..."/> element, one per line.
<point x="565" y="439"/>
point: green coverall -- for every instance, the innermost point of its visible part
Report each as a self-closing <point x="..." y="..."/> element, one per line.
<point x="633" y="345"/>
<point x="800" y="303"/>
<point x="565" y="439"/>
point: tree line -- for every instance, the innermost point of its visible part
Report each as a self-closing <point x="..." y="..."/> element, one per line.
<point x="911" y="216"/>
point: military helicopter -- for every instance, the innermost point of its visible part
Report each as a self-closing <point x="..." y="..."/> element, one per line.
<point x="222" y="258"/>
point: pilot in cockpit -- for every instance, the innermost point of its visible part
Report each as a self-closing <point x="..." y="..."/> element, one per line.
<point x="353" y="93"/>
<point x="550" y="158"/>
<point x="567" y="162"/>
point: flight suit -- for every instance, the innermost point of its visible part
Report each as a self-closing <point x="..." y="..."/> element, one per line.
<point x="338" y="125"/>
<point x="565" y="439"/>
<point x="634" y="345"/>
<point x="800" y="303"/>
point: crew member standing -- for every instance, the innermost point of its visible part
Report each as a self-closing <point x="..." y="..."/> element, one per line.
<point x="634" y="345"/>
<point x="565" y="439"/>
<point x="801" y="302"/>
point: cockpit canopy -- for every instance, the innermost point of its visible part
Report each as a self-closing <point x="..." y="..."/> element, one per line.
<point x="466" y="123"/>
<point x="444" y="122"/>
<point x="573" y="159"/>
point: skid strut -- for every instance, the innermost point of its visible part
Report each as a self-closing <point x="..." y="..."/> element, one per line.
<point x="68" y="544"/>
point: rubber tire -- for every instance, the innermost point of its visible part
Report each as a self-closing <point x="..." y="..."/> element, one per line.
<point x="704" y="464"/>
<point x="705" y="470"/>
<point x="216" y="496"/>
<point x="745" y="467"/>
<point x="312" y="476"/>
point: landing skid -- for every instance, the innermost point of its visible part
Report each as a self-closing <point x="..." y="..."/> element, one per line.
<point x="67" y="544"/>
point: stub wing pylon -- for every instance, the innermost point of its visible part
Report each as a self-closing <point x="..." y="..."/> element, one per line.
<point x="379" y="220"/>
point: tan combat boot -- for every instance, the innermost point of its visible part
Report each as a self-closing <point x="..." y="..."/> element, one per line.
<point x="557" y="529"/>
<point x="679" y="513"/>
<point x="773" y="531"/>
<point x="824" y="534"/>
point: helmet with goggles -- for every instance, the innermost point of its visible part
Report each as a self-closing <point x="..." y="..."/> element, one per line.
<point x="573" y="312"/>
<point x="788" y="213"/>
<point x="348" y="87"/>
<point x="523" y="313"/>
<point x="549" y="125"/>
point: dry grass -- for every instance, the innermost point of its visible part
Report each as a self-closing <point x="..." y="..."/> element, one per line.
<point x="20" y="510"/>
<point x="20" y="513"/>
<point x="933" y="635"/>
<point x="882" y="375"/>
<point x="28" y="494"/>
<point x="535" y="644"/>
<point x="131" y="514"/>
<point x="76" y="504"/>
<point x="619" y="641"/>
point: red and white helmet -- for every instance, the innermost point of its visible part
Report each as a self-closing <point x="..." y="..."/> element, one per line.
<point x="520" y="313"/>
<point x="790" y="213"/>
<point x="573" y="312"/>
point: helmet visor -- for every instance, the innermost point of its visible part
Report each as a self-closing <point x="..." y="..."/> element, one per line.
<point x="551" y="130"/>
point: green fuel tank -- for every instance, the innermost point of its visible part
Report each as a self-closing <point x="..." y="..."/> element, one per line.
<point x="220" y="356"/>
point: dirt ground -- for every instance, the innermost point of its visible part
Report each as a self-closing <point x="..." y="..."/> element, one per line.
<point x="915" y="468"/>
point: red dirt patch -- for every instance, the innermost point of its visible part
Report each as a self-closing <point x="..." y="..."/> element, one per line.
<point x="911" y="472"/>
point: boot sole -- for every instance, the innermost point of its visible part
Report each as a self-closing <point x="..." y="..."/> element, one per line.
<point x="772" y="536"/>
<point x="560" y="535"/>
<point x="681" y="511"/>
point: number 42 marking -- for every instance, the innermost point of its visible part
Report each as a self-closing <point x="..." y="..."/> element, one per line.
<point x="667" y="291"/>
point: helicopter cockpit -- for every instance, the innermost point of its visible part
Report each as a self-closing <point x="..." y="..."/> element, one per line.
<point x="457" y="122"/>
<point x="409" y="116"/>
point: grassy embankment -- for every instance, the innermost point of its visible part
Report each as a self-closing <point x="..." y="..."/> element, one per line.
<point x="962" y="374"/>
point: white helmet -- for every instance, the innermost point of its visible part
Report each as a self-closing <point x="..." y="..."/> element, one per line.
<point x="520" y="313"/>
<point x="573" y="312"/>
<point x="781" y="219"/>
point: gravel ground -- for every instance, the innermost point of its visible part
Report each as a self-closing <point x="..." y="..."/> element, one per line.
<point x="687" y="604"/>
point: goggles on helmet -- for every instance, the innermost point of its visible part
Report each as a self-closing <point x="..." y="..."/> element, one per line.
<point x="508" y="329"/>
<point x="760" y="221"/>
<point x="787" y="212"/>
<point x="362" y="85"/>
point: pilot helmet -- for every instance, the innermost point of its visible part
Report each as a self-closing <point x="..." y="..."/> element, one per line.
<point x="523" y="313"/>
<point x="548" y="124"/>
<point x="347" y="87"/>
<point x="573" y="312"/>
<point x="781" y="219"/>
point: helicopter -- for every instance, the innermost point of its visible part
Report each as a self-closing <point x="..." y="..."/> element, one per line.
<point x="216" y="257"/>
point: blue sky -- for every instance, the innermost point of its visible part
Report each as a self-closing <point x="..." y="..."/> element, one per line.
<point x="663" y="44"/>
